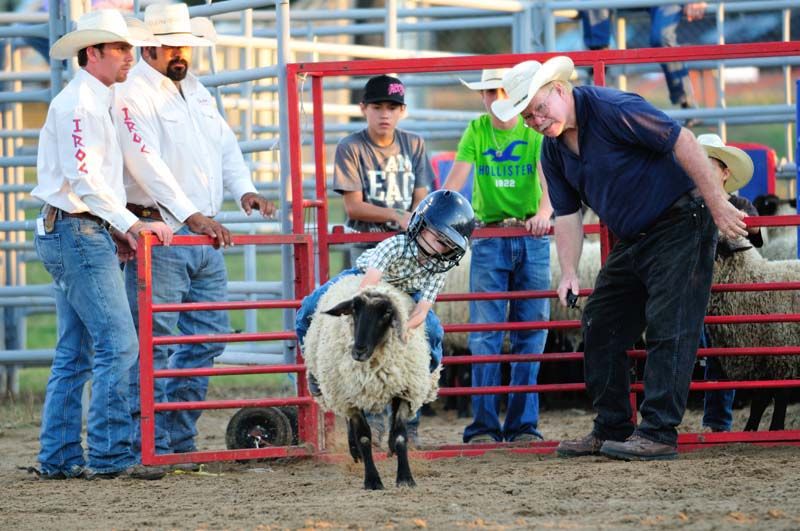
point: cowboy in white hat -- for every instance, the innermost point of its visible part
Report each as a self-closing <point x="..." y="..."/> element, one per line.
<point x="180" y="157"/>
<point x="79" y="168"/>
<point x="507" y="191"/>
<point x="653" y="185"/>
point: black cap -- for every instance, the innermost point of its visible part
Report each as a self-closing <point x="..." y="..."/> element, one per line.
<point x="384" y="88"/>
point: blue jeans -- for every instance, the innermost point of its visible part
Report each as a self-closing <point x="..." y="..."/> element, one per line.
<point x="507" y="264"/>
<point x="661" y="282"/>
<point x="93" y="317"/>
<point x="433" y="328"/>
<point x="717" y="405"/>
<point x="181" y="274"/>
<point x="663" y="33"/>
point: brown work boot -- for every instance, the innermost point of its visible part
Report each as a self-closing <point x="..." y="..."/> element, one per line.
<point x="132" y="472"/>
<point x="637" y="448"/>
<point x="589" y="445"/>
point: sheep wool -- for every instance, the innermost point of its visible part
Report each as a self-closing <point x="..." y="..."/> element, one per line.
<point x="750" y="266"/>
<point x="396" y="369"/>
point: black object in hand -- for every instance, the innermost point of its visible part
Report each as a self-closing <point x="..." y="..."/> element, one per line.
<point x="572" y="300"/>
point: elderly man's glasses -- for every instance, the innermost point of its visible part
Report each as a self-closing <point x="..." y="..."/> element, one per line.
<point x="541" y="110"/>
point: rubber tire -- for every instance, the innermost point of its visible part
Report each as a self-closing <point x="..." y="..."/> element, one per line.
<point x="272" y="422"/>
<point x="291" y="414"/>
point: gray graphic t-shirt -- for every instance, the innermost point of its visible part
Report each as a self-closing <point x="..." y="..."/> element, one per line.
<point x="387" y="176"/>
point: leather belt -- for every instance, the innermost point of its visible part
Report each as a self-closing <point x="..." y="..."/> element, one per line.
<point x="145" y="212"/>
<point x="671" y="210"/>
<point x="508" y="222"/>
<point x="83" y="215"/>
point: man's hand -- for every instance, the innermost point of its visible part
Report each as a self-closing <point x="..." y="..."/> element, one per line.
<point x="538" y="225"/>
<point x="251" y="201"/>
<point x="159" y="228"/>
<point x="200" y="224"/>
<point x="694" y="11"/>
<point x="126" y="245"/>
<point x="729" y="219"/>
<point x="568" y="282"/>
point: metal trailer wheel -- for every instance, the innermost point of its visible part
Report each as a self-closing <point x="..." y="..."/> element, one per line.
<point x="257" y="428"/>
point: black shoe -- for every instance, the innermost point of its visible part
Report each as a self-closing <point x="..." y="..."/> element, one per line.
<point x="132" y="472"/>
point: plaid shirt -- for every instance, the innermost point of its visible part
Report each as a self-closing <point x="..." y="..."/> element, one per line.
<point x="394" y="258"/>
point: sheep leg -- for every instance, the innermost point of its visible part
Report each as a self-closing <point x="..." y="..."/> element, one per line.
<point x="363" y="440"/>
<point x="760" y="401"/>
<point x="779" y="412"/>
<point x="398" y="444"/>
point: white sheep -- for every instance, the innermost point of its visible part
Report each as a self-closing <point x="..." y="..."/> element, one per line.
<point x="356" y="351"/>
<point x="748" y="266"/>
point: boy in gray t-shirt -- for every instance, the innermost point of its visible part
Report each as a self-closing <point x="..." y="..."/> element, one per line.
<point x="382" y="172"/>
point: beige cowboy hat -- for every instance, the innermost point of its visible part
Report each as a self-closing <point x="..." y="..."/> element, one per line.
<point x="524" y="80"/>
<point x="738" y="162"/>
<point x="99" y="27"/>
<point x="491" y="78"/>
<point x="171" y="26"/>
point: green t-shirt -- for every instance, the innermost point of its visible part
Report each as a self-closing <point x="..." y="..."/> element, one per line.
<point x="506" y="183"/>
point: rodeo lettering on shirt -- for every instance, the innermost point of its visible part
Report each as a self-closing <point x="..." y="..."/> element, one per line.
<point x="394" y="184"/>
<point x="77" y="142"/>
<point x="131" y="125"/>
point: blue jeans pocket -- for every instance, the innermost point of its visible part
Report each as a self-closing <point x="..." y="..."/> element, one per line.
<point x="48" y="247"/>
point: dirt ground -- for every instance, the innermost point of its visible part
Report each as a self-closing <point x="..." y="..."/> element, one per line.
<point x="740" y="486"/>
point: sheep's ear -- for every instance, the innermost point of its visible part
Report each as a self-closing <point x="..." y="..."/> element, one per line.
<point x="343" y="308"/>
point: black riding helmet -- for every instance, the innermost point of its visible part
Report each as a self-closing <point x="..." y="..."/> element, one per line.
<point x="449" y="216"/>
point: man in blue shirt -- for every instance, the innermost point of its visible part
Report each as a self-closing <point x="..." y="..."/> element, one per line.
<point x="652" y="183"/>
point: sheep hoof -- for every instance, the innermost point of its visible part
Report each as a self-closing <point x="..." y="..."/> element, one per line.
<point x="375" y="484"/>
<point x="406" y="483"/>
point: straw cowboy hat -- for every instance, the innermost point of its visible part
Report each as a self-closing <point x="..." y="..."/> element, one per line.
<point x="738" y="162"/>
<point x="171" y="26"/>
<point x="100" y="27"/>
<point x="491" y="78"/>
<point x="522" y="82"/>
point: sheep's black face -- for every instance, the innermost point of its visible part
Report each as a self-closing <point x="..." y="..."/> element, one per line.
<point x="372" y="317"/>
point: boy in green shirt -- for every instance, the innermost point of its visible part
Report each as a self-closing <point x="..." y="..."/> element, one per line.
<point x="507" y="191"/>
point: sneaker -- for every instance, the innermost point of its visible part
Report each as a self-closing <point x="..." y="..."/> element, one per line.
<point x="527" y="438"/>
<point x="483" y="438"/>
<point x="313" y="386"/>
<point x="637" y="448"/>
<point x="132" y="472"/>
<point x="75" y="471"/>
<point x="589" y="445"/>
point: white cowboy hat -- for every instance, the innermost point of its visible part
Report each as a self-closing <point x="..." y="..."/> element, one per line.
<point x="100" y="27"/>
<point x="491" y="78"/>
<point x="522" y="82"/>
<point x="171" y="26"/>
<point x="738" y="162"/>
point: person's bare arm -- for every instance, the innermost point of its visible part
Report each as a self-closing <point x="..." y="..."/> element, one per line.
<point x="569" y="244"/>
<point x="695" y="162"/>
<point x="458" y="175"/>
<point x="371" y="278"/>
<point x="418" y="314"/>
<point x="360" y="210"/>
<point x="539" y="224"/>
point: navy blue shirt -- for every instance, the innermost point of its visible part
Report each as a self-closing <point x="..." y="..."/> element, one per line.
<point x="626" y="170"/>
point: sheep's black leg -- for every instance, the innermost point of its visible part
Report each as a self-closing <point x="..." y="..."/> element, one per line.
<point x="363" y="439"/>
<point x="398" y="444"/>
<point x="760" y="401"/>
<point x="779" y="413"/>
<point x="352" y="440"/>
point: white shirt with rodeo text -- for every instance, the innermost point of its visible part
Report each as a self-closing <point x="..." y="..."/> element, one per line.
<point x="79" y="162"/>
<point x="179" y="151"/>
